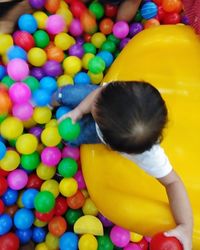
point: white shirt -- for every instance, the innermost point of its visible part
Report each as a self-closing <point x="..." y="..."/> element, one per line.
<point x="154" y="161"/>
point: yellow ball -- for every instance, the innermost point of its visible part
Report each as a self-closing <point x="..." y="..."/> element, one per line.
<point x="10" y="161"/>
<point x="42" y="115"/>
<point x="41" y="246"/>
<point x="37" y="57"/>
<point x="89" y="207"/>
<point x="64" y="80"/>
<point x="50" y="136"/>
<point x="87" y="242"/>
<point x="68" y="187"/>
<point x="26" y="144"/>
<point x="86" y="58"/>
<point x="44" y="172"/>
<point x="95" y="78"/>
<point x="98" y="39"/>
<point x="6" y="42"/>
<point x="41" y="19"/>
<point x="51" y="186"/>
<point x="51" y="123"/>
<point x="68" y="17"/>
<point x="11" y="128"/>
<point x="52" y="241"/>
<point x="72" y="65"/>
<point x="135" y="237"/>
<point x="64" y="41"/>
<point x="39" y="223"/>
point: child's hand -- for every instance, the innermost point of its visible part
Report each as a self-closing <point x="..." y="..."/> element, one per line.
<point x="183" y="234"/>
<point x="75" y="115"/>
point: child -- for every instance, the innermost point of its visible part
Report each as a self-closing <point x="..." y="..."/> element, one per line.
<point x="129" y="117"/>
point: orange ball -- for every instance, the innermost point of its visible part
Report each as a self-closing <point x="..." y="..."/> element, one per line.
<point x="106" y="26"/>
<point x="57" y="226"/>
<point x="88" y="22"/>
<point x="52" y="5"/>
<point x="55" y="53"/>
<point x="5" y="102"/>
<point x="76" y="201"/>
<point x="172" y="6"/>
<point x="151" y="23"/>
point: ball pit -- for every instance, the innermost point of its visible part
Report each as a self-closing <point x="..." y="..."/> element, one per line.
<point x="43" y="193"/>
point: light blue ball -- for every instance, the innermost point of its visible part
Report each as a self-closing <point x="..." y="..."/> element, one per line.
<point x="39" y="234"/>
<point x="5" y="224"/>
<point x="41" y="97"/>
<point x="23" y="219"/>
<point x="24" y="235"/>
<point x="2" y="150"/>
<point x="28" y="23"/>
<point x="82" y="78"/>
<point x="62" y="111"/>
<point x="10" y="197"/>
<point x="49" y="84"/>
<point x="2" y="71"/>
<point x="106" y="56"/>
<point x="28" y="198"/>
<point x="149" y="10"/>
<point x="69" y="241"/>
<point x="16" y="52"/>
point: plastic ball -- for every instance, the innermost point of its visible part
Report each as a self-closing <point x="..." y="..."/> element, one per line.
<point x="10" y="161"/>
<point x="61" y="111"/>
<point x="34" y="181"/>
<point x="23" y="39"/>
<point x="77" y="8"/>
<point x="57" y="226"/>
<point x="68" y="240"/>
<point x="52" y="241"/>
<point x="55" y="24"/>
<point x="88" y="22"/>
<point x="41" y="97"/>
<point x="149" y="10"/>
<point x="23" y="111"/>
<point x="136" y="237"/>
<point x="89" y="208"/>
<point x="2" y="71"/>
<point x="98" y="39"/>
<point x="144" y="244"/>
<point x="41" y="19"/>
<point x="51" y="186"/>
<point x="26" y="144"/>
<point x="6" y="43"/>
<point x="161" y="242"/>
<point x="41" y="38"/>
<point x="64" y="41"/>
<point x="104" y="243"/>
<point x="28" y="23"/>
<point x="55" y="53"/>
<point x="96" y="65"/>
<point x="110" y="10"/>
<point x="42" y="218"/>
<point x="5" y="224"/>
<point x="9" y="241"/>
<point x="67" y="167"/>
<point x="2" y="207"/>
<point x="38" y="234"/>
<point x="17" y="179"/>
<point x="89" y="48"/>
<point x="75" y="28"/>
<point x="105" y="221"/>
<point x="5" y="102"/>
<point x="51" y="156"/>
<point x="95" y="78"/>
<point x="172" y="5"/>
<point x="18" y="69"/>
<point x="68" y="187"/>
<point x="61" y="206"/>
<point x="31" y="161"/>
<point x="80" y="180"/>
<point x="24" y="235"/>
<point x="2" y="150"/>
<point x="41" y="246"/>
<point x="3" y="186"/>
<point x="120" y="29"/>
<point x="72" y="65"/>
<point x="106" y="56"/>
<point x="81" y="78"/>
<point x="23" y="219"/>
<point x="45" y="172"/>
<point x="76" y="50"/>
<point x="28" y="197"/>
<point x="16" y="52"/>
<point x="50" y="136"/>
<point x="37" y="57"/>
<point x="109" y="46"/>
<point x="44" y="202"/>
<point x="106" y="26"/>
<point x="68" y="130"/>
<point x="151" y="23"/>
<point x="19" y="93"/>
<point x="11" y="128"/>
<point x="64" y="80"/>
<point x="37" y="4"/>
<point x="10" y="197"/>
<point x="132" y="246"/>
<point x="119" y="236"/>
<point x="135" y="28"/>
<point x="52" y="5"/>
<point x="42" y="115"/>
<point x="171" y="18"/>
<point x="97" y="10"/>
<point x="52" y="68"/>
<point x="37" y="72"/>
<point x="76" y="201"/>
<point x="88" y="242"/>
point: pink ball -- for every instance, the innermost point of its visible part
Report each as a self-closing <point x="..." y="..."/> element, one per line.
<point x="148" y="239"/>
<point x="17" y="179"/>
<point x="80" y="180"/>
<point x="120" y="236"/>
<point x="120" y="29"/>
<point x="132" y="246"/>
<point x="18" y="69"/>
<point x="71" y="152"/>
<point x="51" y="156"/>
<point x="75" y="28"/>
<point x="23" y="111"/>
<point x="19" y="93"/>
<point x="55" y="24"/>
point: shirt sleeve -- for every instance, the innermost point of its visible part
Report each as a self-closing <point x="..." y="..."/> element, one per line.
<point x="154" y="161"/>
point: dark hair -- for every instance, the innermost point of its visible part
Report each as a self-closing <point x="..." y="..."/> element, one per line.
<point x="131" y="115"/>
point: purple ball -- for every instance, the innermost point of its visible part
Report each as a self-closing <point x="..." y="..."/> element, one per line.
<point x="76" y="50"/>
<point x="36" y="131"/>
<point x="37" y="73"/>
<point x="17" y="179"/>
<point x="51" y="156"/>
<point x="80" y="40"/>
<point x="52" y="68"/>
<point x="135" y="28"/>
<point x="72" y="152"/>
<point x="185" y="20"/>
<point x="123" y="43"/>
<point x="121" y="29"/>
<point x="75" y="28"/>
<point x="105" y="221"/>
<point x="37" y="4"/>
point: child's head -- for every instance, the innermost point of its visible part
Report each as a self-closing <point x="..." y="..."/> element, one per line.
<point x="131" y="116"/>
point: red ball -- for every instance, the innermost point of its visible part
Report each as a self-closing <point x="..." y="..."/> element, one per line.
<point x="143" y="244"/>
<point x="161" y="14"/>
<point x="161" y="242"/>
<point x="2" y="207"/>
<point x="9" y="241"/>
<point x="3" y="185"/>
<point x="24" y="39"/>
<point x="61" y="206"/>
<point x="111" y="10"/>
<point x="3" y="172"/>
<point x="106" y="26"/>
<point x="45" y="217"/>
<point x="52" y="6"/>
<point x="87" y="37"/>
<point x="77" y="8"/>
<point x="34" y="182"/>
<point x="171" y="18"/>
<point x="172" y="6"/>
<point x="57" y="226"/>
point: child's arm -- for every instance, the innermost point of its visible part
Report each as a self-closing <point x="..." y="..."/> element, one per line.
<point x="128" y="9"/>
<point x="181" y="209"/>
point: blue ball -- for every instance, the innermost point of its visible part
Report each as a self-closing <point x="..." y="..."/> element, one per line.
<point x="41" y="97"/>
<point x="49" y="84"/>
<point x="62" y="111"/>
<point x="10" y="197"/>
<point x="24" y="235"/>
<point x="5" y="224"/>
<point x="2" y="72"/>
<point x="23" y="219"/>
<point x="69" y="241"/>
<point x="2" y="150"/>
<point x="39" y="234"/>
<point x="106" y="56"/>
<point x="16" y="52"/>
<point x="28" y="23"/>
<point x="28" y="198"/>
<point x="149" y="10"/>
<point x="82" y="78"/>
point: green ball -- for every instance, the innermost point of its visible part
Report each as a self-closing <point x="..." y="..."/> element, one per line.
<point x="96" y="65"/>
<point x="67" y="167"/>
<point x="7" y="81"/>
<point x="69" y="131"/>
<point x="97" y="10"/>
<point x="105" y="243"/>
<point x="32" y="82"/>
<point x="73" y="215"/>
<point x="89" y="48"/>
<point x="2" y="118"/>
<point x="41" y="38"/>
<point x="44" y="202"/>
<point x="109" y="46"/>
<point x="138" y="16"/>
<point x="113" y="39"/>
<point x="31" y="161"/>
